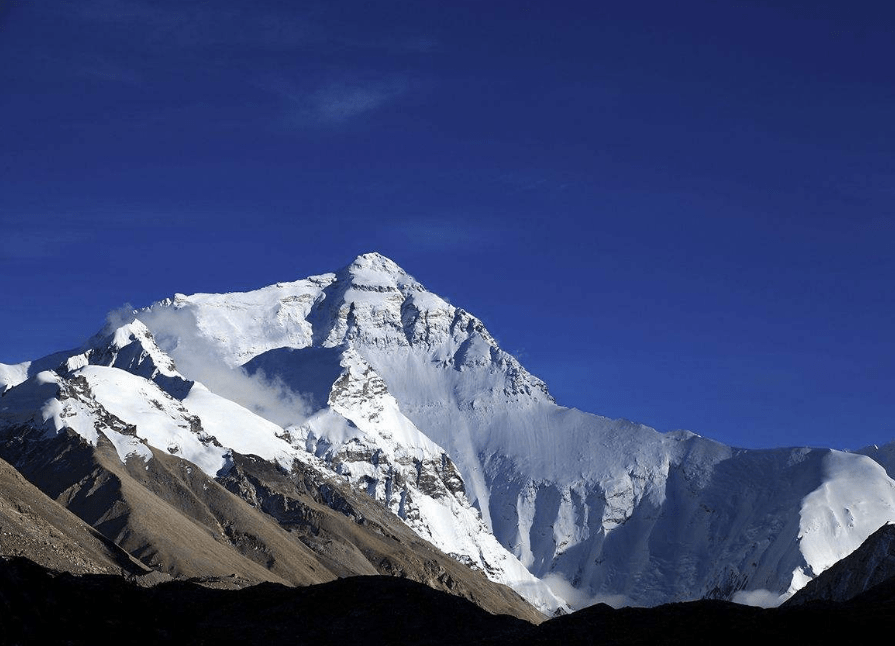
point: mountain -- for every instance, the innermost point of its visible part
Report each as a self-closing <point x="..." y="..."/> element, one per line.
<point x="38" y="607"/>
<point x="362" y="377"/>
<point x="101" y="434"/>
<point x="35" y="527"/>
<point x="872" y="564"/>
<point x="884" y="455"/>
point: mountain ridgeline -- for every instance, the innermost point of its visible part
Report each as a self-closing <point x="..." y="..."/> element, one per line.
<point x="355" y="423"/>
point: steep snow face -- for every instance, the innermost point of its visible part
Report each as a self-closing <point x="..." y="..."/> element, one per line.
<point x="617" y="510"/>
<point x="869" y="565"/>
<point x="363" y="436"/>
<point x="127" y="398"/>
<point x="840" y="514"/>
<point x="93" y="392"/>
<point x="13" y="375"/>
<point x="119" y="386"/>
<point x="50" y="404"/>
<point x="373" y="306"/>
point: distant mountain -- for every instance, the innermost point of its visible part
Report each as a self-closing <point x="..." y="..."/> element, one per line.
<point x="363" y="378"/>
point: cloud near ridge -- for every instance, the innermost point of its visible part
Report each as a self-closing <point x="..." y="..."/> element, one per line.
<point x="196" y="358"/>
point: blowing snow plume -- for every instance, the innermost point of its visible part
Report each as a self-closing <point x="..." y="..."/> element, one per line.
<point x="176" y="333"/>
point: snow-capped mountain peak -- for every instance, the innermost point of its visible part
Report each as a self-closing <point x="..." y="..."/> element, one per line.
<point x="369" y="376"/>
<point x="373" y="270"/>
<point x="614" y="508"/>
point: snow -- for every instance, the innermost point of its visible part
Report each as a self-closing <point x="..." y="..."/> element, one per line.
<point x="71" y="414"/>
<point x="412" y="401"/>
<point x="614" y="506"/>
<point x="156" y="416"/>
<point x="855" y="500"/>
<point x="13" y="375"/>
<point x="45" y="377"/>
<point x="127" y="446"/>
<point x="76" y="362"/>
<point x="324" y="429"/>
<point x="237" y="428"/>
<point x="59" y="408"/>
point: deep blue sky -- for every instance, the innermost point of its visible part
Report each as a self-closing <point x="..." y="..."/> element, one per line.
<point x="679" y="213"/>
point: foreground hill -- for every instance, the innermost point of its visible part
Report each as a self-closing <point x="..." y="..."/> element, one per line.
<point x="37" y="606"/>
<point x="35" y="527"/>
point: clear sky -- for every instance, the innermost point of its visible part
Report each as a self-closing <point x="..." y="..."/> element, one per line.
<point x="681" y="213"/>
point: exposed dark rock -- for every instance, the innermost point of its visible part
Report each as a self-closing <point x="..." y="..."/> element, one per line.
<point x="353" y="534"/>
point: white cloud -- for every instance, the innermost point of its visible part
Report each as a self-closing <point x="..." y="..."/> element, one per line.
<point x="196" y="359"/>
<point x="578" y="599"/>
<point x="341" y="101"/>
<point x="334" y="102"/>
<point x="758" y="598"/>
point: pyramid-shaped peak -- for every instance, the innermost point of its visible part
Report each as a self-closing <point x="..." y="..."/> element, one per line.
<point x="376" y="261"/>
<point x="375" y="270"/>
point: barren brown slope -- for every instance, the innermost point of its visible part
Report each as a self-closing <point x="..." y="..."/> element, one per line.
<point x="297" y="528"/>
<point x="36" y="527"/>
<point x="167" y="513"/>
<point x="353" y="534"/>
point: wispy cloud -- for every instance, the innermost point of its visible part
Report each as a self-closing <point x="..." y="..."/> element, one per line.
<point x="578" y="599"/>
<point x="339" y="102"/>
<point x="413" y="45"/>
<point x="53" y="235"/>
<point x="326" y="91"/>
<point x="198" y="358"/>
<point x="334" y="102"/>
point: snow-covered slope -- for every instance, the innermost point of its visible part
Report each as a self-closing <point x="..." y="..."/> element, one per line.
<point x="122" y="387"/>
<point x="392" y="377"/>
<point x="871" y="564"/>
<point x="364" y="374"/>
<point x="884" y="455"/>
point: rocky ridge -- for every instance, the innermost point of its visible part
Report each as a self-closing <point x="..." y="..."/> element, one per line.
<point x="613" y="509"/>
<point x="368" y="379"/>
<point x="146" y="470"/>
<point x="872" y="564"/>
